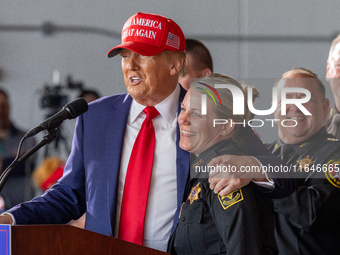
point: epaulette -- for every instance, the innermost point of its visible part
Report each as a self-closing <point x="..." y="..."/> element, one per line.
<point x="332" y="139"/>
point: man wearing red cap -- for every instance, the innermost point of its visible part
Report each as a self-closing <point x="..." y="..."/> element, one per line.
<point x="100" y="174"/>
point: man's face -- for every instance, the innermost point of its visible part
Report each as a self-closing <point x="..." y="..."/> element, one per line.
<point x="197" y="133"/>
<point x="333" y="71"/>
<point x="307" y="125"/>
<point x="148" y="79"/>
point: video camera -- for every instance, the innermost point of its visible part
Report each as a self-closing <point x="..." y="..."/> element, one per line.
<point x="54" y="97"/>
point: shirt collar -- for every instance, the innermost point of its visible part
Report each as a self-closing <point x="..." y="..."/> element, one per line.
<point x="166" y="108"/>
<point x="302" y="147"/>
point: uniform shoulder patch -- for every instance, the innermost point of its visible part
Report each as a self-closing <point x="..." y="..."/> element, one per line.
<point x="333" y="172"/>
<point x="231" y="198"/>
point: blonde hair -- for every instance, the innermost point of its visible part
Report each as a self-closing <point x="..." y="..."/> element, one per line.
<point x="225" y="111"/>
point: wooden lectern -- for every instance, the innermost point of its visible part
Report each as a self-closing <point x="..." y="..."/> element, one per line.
<point x="66" y="239"/>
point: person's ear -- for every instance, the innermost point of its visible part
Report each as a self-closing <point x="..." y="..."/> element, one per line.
<point x="206" y="72"/>
<point x="227" y="128"/>
<point x="176" y="66"/>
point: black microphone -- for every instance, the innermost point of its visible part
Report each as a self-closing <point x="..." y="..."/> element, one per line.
<point x="69" y="111"/>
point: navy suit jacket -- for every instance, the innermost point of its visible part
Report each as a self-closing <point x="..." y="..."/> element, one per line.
<point x="90" y="180"/>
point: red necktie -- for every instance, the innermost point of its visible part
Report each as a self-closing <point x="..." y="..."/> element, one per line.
<point x="137" y="182"/>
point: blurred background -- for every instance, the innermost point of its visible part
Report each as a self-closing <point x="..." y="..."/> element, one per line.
<point x="58" y="48"/>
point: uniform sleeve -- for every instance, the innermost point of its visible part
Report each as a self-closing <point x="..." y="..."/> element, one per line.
<point x="311" y="207"/>
<point x="239" y="223"/>
<point x="283" y="186"/>
<point x="66" y="199"/>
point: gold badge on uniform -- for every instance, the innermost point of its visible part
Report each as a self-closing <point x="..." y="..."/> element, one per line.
<point x="304" y="163"/>
<point x="231" y="198"/>
<point x="194" y="193"/>
<point x="333" y="172"/>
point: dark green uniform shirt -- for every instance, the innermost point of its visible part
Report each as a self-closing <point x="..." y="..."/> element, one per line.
<point x="238" y="223"/>
<point x="308" y="221"/>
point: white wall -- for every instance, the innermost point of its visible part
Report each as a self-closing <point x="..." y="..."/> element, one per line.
<point x="28" y="58"/>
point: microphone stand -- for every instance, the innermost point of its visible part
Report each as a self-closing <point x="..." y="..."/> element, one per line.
<point x="52" y="134"/>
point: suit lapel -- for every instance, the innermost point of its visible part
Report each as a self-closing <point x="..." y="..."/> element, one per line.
<point x="115" y="133"/>
<point x="182" y="161"/>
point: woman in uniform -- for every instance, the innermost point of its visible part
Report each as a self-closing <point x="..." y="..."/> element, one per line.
<point x="240" y="222"/>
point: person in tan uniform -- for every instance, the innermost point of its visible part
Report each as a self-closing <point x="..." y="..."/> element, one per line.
<point x="333" y="77"/>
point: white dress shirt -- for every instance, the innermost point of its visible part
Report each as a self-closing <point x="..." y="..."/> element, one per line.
<point x="162" y="200"/>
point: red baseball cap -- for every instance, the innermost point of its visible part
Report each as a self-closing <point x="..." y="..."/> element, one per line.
<point x="150" y="34"/>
